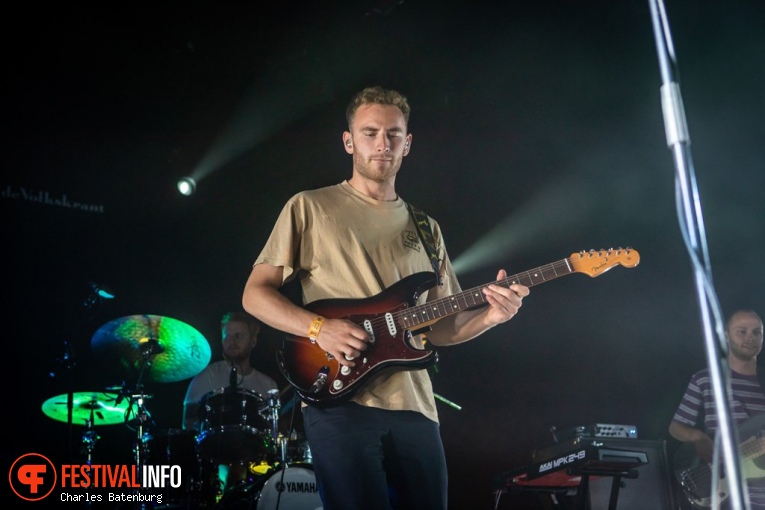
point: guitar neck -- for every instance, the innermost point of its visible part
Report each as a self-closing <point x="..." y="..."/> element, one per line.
<point x="432" y="311"/>
<point x="753" y="448"/>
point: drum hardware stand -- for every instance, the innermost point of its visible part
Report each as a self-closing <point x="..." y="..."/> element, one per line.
<point x="142" y="435"/>
<point x="66" y="361"/>
<point x="274" y="404"/>
<point x="89" y="439"/>
<point x="149" y="348"/>
<point x="283" y="440"/>
<point x="141" y="445"/>
<point x="142" y="416"/>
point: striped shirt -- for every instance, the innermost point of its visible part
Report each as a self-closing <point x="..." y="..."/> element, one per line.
<point x="747" y="400"/>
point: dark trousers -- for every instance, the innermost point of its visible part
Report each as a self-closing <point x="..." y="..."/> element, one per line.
<point x="366" y="458"/>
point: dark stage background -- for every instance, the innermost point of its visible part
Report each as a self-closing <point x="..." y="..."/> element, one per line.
<point x="538" y="132"/>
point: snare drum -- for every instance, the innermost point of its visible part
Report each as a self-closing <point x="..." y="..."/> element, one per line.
<point x="232" y="428"/>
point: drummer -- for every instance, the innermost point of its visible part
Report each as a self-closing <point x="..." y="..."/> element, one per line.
<point x="239" y="333"/>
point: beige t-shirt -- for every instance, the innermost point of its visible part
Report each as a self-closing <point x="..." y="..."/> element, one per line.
<point x="343" y="244"/>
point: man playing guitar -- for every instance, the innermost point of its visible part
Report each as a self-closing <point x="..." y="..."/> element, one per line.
<point x="695" y="422"/>
<point x="382" y="448"/>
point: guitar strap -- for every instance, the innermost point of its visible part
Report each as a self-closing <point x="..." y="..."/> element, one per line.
<point x="426" y="236"/>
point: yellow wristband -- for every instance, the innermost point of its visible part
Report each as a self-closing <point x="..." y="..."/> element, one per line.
<point x="313" y="331"/>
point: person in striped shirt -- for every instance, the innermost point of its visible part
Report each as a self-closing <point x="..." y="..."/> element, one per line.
<point x="695" y="420"/>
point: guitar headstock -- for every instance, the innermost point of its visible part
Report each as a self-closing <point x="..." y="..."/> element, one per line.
<point x="595" y="263"/>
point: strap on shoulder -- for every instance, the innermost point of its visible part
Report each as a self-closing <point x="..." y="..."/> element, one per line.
<point x="426" y="236"/>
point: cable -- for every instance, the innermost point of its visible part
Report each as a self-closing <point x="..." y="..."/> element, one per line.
<point x="291" y="429"/>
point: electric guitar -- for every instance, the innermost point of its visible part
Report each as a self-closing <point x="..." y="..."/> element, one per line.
<point x="392" y="317"/>
<point x="695" y="476"/>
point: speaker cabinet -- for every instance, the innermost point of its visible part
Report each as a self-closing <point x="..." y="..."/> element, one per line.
<point x="651" y="489"/>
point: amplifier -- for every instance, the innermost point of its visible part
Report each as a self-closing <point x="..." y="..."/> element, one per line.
<point x="611" y="430"/>
<point x="575" y="436"/>
<point x="607" y="430"/>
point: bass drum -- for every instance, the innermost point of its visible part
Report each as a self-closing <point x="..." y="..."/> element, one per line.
<point x="293" y="487"/>
<point x="290" y="488"/>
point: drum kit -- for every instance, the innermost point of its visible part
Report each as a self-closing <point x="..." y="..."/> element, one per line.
<point x="239" y="428"/>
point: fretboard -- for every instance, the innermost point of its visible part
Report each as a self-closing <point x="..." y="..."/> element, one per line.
<point x="753" y="448"/>
<point x="440" y="308"/>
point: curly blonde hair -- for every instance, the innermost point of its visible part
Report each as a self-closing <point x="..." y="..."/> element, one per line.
<point x="377" y="95"/>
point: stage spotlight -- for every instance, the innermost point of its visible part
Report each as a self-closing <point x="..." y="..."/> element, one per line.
<point x="101" y="290"/>
<point x="187" y="185"/>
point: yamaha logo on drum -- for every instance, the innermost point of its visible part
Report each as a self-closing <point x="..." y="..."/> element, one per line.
<point x="297" y="486"/>
<point x="292" y="486"/>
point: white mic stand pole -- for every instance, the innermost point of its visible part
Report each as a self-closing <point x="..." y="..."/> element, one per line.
<point x="692" y="228"/>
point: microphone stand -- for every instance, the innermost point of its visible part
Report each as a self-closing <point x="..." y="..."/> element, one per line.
<point x="692" y="228"/>
<point x="232" y="378"/>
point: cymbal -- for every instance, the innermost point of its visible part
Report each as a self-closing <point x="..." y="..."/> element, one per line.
<point x="169" y="350"/>
<point x="101" y="407"/>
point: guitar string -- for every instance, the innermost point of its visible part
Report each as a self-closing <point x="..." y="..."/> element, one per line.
<point x="701" y="476"/>
<point x="446" y="305"/>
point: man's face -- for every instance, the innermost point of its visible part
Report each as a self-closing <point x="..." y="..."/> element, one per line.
<point x="236" y="340"/>
<point x="379" y="141"/>
<point x="745" y="335"/>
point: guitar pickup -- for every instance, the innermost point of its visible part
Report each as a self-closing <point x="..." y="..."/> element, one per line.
<point x="370" y="330"/>
<point x="390" y="321"/>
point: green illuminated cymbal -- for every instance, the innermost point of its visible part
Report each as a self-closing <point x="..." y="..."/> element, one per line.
<point x="99" y="407"/>
<point x="167" y="349"/>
